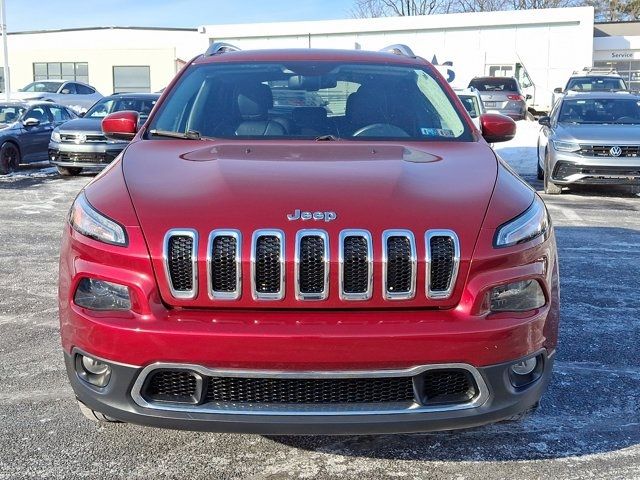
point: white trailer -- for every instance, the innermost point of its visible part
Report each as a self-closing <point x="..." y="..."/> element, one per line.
<point x="539" y="47"/>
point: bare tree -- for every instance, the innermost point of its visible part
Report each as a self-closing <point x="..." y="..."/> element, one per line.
<point x="400" y="8"/>
<point x="615" y="10"/>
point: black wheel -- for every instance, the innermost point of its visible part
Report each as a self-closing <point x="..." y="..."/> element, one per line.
<point x="550" y="188"/>
<point x="540" y="173"/>
<point x="69" y="171"/>
<point x="9" y="158"/>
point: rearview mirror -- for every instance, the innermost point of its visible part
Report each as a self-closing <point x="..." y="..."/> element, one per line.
<point x="31" y="122"/>
<point x="546" y="121"/>
<point x="557" y="90"/>
<point x="497" y="128"/>
<point x="121" y="125"/>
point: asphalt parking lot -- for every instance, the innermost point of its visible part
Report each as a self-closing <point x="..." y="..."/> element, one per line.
<point x="588" y="425"/>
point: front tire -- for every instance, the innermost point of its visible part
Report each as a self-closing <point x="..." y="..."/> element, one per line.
<point x="95" y="416"/>
<point x="69" y="171"/>
<point x="550" y="188"/>
<point x="9" y="158"/>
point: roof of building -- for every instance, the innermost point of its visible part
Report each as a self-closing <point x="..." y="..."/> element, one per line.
<point x="82" y="29"/>
<point x="617" y="29"/>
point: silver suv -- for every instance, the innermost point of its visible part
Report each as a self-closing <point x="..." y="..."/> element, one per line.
<point x="590" y="138"/>
<point x="594" y="80"/>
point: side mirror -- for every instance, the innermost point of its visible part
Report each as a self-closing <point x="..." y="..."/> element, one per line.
<point x="497" y="128"/>
<point x="31" y="122"/>
<point x="82" y="114"/>
<point x="121" y="125"/>
<point x="528" y="96"/>
<point x="557" y="90"/>
<point x="546" y="121"/>
<point x="65" y="91"/>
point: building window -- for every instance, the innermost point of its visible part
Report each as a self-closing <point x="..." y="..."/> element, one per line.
<point x="628" y="69"/>
<point x="78" y="71"/>
<point x="131" y="79"/>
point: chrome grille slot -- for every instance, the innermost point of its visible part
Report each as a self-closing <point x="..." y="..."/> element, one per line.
<point x="267" y="265"/>
<point x="224" y="264"/>
<point x="180" y="258"/>
<point x="312" y="265"/>
<point x="442" y="262"/>
<point x="356" y="265"/>
<point x="399" y="264"/>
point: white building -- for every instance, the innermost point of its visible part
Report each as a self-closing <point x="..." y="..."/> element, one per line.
<point x="539" y="47"/>
<point x="617" y="46"/>
<point x="109" y="58"/>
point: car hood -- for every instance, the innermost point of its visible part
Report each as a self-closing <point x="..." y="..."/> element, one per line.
<point x="249" y="185"/>
<point x="82" y="125"/>
<point x="599" y="134"/>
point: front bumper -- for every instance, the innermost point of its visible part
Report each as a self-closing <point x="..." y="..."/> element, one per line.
<point x="568" y="168"/>
<point x="501" y="401"/>
<point x="84" y="155"/>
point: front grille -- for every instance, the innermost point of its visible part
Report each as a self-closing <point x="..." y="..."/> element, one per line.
<point x="211" y="389"/>
<point x="564" y="170"/>
<point x="442" y="262"/>
<point x="268" y="265"/>
<point x="356" y="265"/>
<point x="309" y="391"/>
<point x="80" y="157"/>
<point x="400" y="265"/>
<point x="81" y="138"/>
<point x="172" y="386"/>
<point x="448" y="386"/>
<point x="224" y="264"/>
<point x="605" y="151"/>
<point x="180" y="249"/>
<point x="312" y="265"/>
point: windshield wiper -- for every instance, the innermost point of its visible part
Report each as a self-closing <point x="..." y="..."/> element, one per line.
<point x="190" y="135"/>
<point x="326" y="138"/>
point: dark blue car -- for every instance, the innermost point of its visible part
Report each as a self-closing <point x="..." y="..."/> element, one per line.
<point x="25" y="130"/>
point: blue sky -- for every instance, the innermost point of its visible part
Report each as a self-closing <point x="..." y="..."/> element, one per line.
<point x="50" y="14"/>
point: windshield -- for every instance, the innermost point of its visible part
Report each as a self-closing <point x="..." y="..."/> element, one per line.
<point x="596" y="84"/>
<point x="310" y="100"/>
<point x="48" y="87"/>
<point x="470" y="103"/>
<point x="109" y="105"/>
<point x="495" y="84"/>
<point x="600" y="110"/>
<point x="10" y="113"/>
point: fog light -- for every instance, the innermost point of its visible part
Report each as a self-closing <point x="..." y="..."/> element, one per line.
<point x="100" y="295"/>
<point x="525" y="367"/>
<point x="93" y="371"/>
<point x="516" y="297"/>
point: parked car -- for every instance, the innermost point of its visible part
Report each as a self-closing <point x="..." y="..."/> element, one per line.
<point x="502" y="94"/>
<point x="382" y="271"/>
<point x="472" y="103"/>
<point x="590" y="138"/>
<point x="25" y="128"/>
<point x="76" y="95"/>
<point x="80" y="143"/>
<point x="594" y="80"/>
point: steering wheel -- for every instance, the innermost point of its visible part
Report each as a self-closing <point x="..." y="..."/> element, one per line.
<point x="380" y="130"/>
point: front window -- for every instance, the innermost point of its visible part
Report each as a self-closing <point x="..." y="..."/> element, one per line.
<point x="45" y="87"/>
<point x="110" y="105"/>
<point x="470" y="103"/>
<point x="495" y="84"/>
<point x="600" y="110"/>
<point x="596" y="84"/>
<point x="10" y="113"/>
<point x="310" y="100"/>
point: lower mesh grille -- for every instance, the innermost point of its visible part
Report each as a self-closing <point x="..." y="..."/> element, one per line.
<point x="310" y="391"/>
<point x="172" y="386"/>
<point x="180" y="262"/>
<point x="442" y="254"/>
<point x="355" y="265"/>
<point x="268" y="272"/>
<point x="448" y="386"/>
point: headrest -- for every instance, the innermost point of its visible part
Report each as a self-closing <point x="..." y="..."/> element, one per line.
<point x="309" y="115"/>
<point x="254" y="101"/>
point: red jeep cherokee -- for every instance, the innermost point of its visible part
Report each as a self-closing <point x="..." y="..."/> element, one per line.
<point x="365" y="265"/>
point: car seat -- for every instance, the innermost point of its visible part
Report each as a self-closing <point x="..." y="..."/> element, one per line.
<point x="253" y="101"/>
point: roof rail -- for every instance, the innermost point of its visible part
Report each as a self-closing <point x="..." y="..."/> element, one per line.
<point x="217" y="48"/>
<point x="399" y="49"/>
<point x="596" y="70"/>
